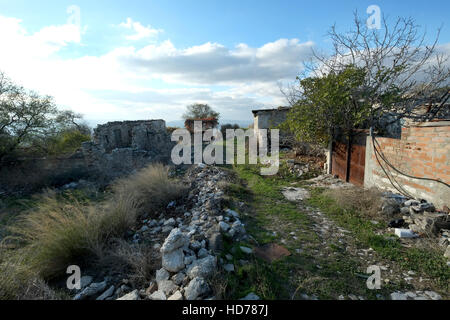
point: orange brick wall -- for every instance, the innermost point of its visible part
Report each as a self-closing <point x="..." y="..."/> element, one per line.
<point x="422" y="151"/>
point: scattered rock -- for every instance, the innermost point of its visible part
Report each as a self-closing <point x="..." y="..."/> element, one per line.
<point x="246" y="250"/>
<point x="224" y="226"/>
<point x="175" y="240"/>
<point x="196" y="288"/>
<point x="162" y="275"/>
<point x="204" y="267"/>
<point x="133" y="295"/>
<point x="173" y="261"/>
<point x="158" y="295"/>
<point x="229" y="267"/>
<point x="178" y="278"/>
<point x="106" y="294"/>
<point x="295" y="194"/>
<point x="176" y="296"/>
<point x="215" y="242"/>
<point x="405" y="233"/>
<point x="167" y="286"/>
<point x="447" y="252"/>
<point x="433" y="295"/>
<point x="251" y="296"/>
<point x="91" y="290"/>
<point x="189" y="259"/>
<point x="85" y="281"/>
<point x="202" y="253"/>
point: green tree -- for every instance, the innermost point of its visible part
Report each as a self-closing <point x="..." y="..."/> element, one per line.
<point x="28" y="120"/>
<point x="370" y="74"/>
<point x="326" y="106"/>
<point x="200" y="111"/>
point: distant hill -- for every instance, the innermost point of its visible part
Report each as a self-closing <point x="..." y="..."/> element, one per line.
<point x="241" y="123"/>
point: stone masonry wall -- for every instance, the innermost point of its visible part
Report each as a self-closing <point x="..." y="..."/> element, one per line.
<point x="423" y="151"/>
<point x="120" y="147"/>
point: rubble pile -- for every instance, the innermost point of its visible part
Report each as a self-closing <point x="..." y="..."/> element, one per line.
<point x="419" y="219"/>
<point x="189" y="244"/>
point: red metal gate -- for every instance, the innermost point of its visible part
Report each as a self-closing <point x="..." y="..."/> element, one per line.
<point x="340" y="165"/>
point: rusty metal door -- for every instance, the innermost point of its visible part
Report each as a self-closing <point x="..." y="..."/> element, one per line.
<point x="340" y="165"/>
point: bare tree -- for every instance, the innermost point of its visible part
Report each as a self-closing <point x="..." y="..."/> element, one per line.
<point x="403" y="72"/>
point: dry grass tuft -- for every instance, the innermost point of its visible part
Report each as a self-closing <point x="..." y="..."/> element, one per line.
<point x="150" y="188"/>
<point x="61" y="232"/>
<point x="138" y="261"/>
<point x="366" y="202"/>
<point x="18" y="281"/>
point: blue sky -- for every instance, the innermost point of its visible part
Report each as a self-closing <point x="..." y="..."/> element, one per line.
<point x="149" y="59"/>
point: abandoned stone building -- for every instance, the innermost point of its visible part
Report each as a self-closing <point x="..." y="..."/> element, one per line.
<point x="123" y="146"/>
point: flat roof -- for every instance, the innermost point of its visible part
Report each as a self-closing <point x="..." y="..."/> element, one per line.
<point x="270" y="110"/>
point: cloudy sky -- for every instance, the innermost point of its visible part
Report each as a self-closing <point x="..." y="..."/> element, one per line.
<point x="127" y="60"/>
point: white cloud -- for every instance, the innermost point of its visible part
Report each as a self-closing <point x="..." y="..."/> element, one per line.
<point x="152" y="81"/>
<point x="141" y="32"/>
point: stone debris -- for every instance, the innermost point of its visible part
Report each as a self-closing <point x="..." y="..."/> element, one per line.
<point x="295" y="194"/>
<point x="134" y="295"/>
<point x="197" y="287"/>
<point x="405" y="233"/>
<point x="251" y="296"/>
<point x="418" y="295"/>
<point x="108" y="293"/>
<point x="229" y="267"/>
<point x="158" y="295"/>
<point x="246" y="250"/>
<point x="91" y="290"/>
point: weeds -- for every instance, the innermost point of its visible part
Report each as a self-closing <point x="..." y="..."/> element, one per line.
<point x="62" y="230"/>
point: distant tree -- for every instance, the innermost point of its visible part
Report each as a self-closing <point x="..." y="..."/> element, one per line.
<point x="200" y="111"/>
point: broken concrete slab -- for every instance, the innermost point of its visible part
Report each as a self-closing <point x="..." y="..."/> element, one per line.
<point x="295" y="194"/>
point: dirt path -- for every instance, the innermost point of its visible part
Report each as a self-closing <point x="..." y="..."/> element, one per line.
<point x="326" y="261"/>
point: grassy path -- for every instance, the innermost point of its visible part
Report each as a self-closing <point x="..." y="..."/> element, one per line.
<point x="327" y="261"/>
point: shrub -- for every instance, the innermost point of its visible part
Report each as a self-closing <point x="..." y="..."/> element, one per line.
<point x="67" y="142"/>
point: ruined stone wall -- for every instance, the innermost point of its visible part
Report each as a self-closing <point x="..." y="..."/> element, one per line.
<point x="422" y="151"/>
<point x="120" y="147"/>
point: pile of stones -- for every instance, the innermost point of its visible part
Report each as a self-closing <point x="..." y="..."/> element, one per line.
<point x="420" y="217"/>
<point x="189" y="244"/>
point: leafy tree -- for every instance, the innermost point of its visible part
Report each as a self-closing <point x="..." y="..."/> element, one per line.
<point x="369" y="75"/>
<point x="66" y="141"/>
<point x="326" y="105"/>
<point x="200" y="111"/>
<point x="28" y="120"/>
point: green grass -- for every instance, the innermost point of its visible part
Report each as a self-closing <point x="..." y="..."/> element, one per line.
<point x="339" y="272"/>
<point x="428" y="262"/>
<point x="298" y="273"/>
